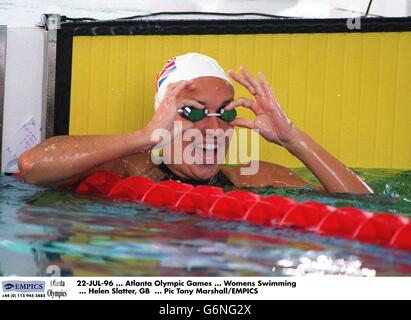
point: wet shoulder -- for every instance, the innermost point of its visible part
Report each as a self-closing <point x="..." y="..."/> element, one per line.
<point x="140" y="164"/>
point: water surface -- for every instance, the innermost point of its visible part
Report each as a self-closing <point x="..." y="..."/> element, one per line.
<point x="41" y="227"/>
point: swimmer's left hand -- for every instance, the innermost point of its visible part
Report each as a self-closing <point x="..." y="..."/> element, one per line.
<point x="270" y="121"/>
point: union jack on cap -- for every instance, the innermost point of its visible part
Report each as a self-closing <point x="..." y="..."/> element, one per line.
<point x="168" y="68"/>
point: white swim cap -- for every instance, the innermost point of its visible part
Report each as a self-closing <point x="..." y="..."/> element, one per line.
<point x="186" y="67"/>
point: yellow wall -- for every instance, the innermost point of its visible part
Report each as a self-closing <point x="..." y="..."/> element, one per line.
<point x="350" y="92"/>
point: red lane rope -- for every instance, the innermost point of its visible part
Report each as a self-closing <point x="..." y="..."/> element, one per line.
<point x="383" y="229"/>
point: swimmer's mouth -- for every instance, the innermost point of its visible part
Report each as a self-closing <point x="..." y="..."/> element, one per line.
<point x="209" y="154"/>
<point x="207" y="146"/>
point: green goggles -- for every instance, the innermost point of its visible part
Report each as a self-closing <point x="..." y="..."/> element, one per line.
<point x="195" y="115"/>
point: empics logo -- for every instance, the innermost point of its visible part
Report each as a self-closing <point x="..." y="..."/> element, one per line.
<point x="8" y="286"/>
<point x="23" y="286"/>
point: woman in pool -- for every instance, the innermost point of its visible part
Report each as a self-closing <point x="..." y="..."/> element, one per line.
<point x="195" y="90"/>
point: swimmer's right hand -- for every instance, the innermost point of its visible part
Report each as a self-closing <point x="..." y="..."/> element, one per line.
<point x="166" y="113"/>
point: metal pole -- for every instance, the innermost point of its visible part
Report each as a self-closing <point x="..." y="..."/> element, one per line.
<point x="3" y="46"/>
<point x="51" y="23"/>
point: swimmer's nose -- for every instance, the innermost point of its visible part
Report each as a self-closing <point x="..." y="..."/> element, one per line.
<point x="212" y="123"/>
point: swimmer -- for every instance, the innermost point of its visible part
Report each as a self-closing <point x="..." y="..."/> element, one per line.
<point x="193" y="90"/>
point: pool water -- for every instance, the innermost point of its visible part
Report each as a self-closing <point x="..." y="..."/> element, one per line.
<point x="44" y="230"/>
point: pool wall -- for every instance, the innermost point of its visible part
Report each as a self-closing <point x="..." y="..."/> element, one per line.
<point x="23" y="70"/>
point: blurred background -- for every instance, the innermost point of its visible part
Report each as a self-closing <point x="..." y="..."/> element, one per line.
<point x="27" y="12"/>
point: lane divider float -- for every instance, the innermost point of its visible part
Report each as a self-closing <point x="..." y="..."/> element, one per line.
<point x="384" y="229"/>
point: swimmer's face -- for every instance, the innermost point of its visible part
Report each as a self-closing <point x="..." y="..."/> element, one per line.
<point x="213" y="93"/>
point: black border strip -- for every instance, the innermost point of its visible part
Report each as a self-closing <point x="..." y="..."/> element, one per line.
<point x="243" y="26"/>
<point x="69" y="29"/>
<point x="63" y="83"/>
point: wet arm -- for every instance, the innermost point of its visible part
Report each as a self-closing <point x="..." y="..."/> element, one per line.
<point x="64" y="157"/>
<point x="333" y="175"/>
